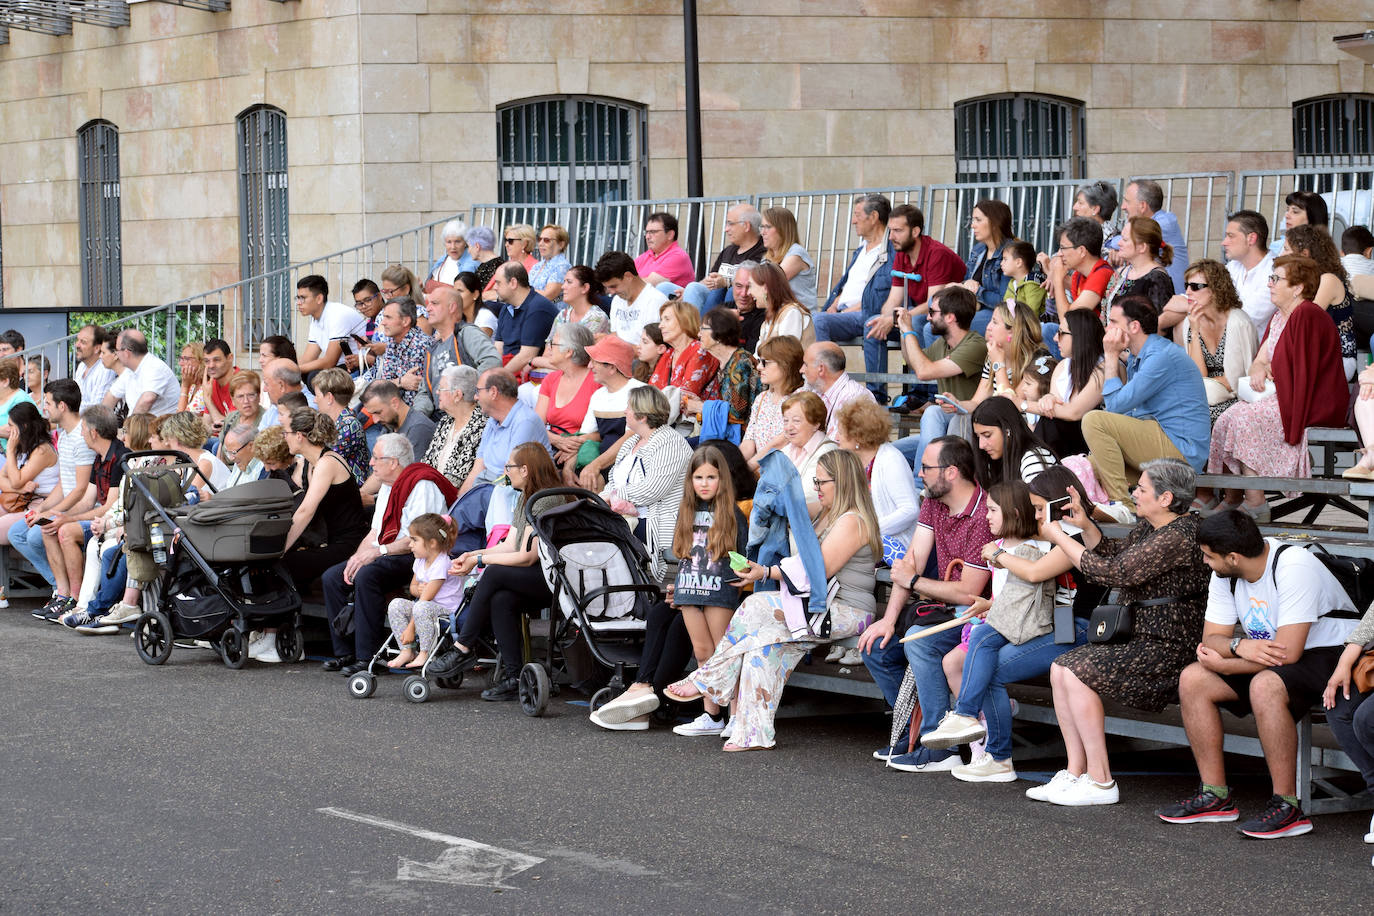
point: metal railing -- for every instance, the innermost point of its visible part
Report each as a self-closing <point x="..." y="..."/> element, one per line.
<point x="1200" y="200"/>
<point x="1347" y="193"/>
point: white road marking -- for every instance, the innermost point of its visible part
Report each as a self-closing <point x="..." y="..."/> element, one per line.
<point x="465" y="861"/>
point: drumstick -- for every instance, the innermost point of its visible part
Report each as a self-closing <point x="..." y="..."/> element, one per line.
<point x="939" y="628"/>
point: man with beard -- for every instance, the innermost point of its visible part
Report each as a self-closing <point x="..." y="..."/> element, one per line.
<point x="935" y="263"/>
<point x="953" y="524"/>
<point x="954" y="362"/>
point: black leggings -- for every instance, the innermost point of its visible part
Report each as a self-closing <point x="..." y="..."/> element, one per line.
<point x="503" y="594"/>
<point x="667" y="647"/>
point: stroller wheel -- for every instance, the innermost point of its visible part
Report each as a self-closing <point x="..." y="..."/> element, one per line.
<point x="452" y="682"/>
<point x="232" y="649"/>
<point x="361" y="685"/>
<point x="291" y="644"/>
<point x="601" y="698"/>
<point x="416" y="688"/>
<point x="153" y="637"/>
<point x="535" y="689"/>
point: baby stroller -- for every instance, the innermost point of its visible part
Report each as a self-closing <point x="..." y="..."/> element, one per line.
<point x="442" y="668"/>
<point x="598" y="572"/>
<point x="215" y="562"/>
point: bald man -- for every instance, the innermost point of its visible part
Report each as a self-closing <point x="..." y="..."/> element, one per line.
<point x="456" y="341"/>
<point x="823" y="365"/>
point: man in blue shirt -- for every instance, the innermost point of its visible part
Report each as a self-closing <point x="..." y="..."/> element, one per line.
<point x="1144" y="197"/>
<point x="1155" y="407"/>
<point x="526" y="320"/>
<point x="510" y="422"/>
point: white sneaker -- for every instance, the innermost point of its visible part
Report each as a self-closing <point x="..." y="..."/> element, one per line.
<point x="1369" y="837"/>
<point x="629" y="706"/>
<point x="633" y="725"/>
<point x="701" y="726"/>
<point x="836" y="653"/>
<point x="727" y="731"/>
<point x="852" y="657"/>
<point x="1057" y="783"/>
<point x="983" y="768"/>
<point x="953" y="731"/>
<point x="1085" y="792"/>
<point x="266" y="648"/>
<point x="121" y="613"/>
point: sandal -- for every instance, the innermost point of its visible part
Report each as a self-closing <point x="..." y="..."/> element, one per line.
<point x="1205" y="505"/>
<point x="684" y="691"/>
<point x="732" y="748"/>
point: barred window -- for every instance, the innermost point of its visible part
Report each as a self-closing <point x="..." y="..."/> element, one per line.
<point x="1018" y="137"/>
<point x="97" y="151"/>
<point x="571" y="149"/>
<point x="1335" y="132"/>
<point x="263" y="222"/>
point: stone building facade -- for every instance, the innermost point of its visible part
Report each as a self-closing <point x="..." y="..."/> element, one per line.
<point x="390" y="105"/>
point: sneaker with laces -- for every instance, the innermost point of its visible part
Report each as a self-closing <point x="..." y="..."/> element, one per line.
<point x="852" y="658"/>
<point x="952" y="731"/>
<point x="1085" y="792"/>
<point x="265" y="650"/>
<point x="1280" y="819"/>
<point x="121" y="613"/>
<point x="892" y="750"/>
<point x="835" y="654"/>
<point x="985" y="768"/>
<point x="96" y="628"/>
<point x="59" y="609"/>
<point x="1058" y="783"/>
<point x="702" y="725"/>
<point x="73" y="619"/>
<point x="1202" y="807"/>
<point x="923" y="760"/>
<point x="42" y="612"/>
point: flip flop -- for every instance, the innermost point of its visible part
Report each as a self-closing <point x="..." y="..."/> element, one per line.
<point x="672" y="691"/>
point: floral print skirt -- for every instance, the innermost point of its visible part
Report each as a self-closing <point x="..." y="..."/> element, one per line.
<point x="754" y="659"/>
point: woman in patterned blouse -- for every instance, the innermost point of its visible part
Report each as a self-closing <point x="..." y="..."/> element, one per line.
<point x="333" y="391"/>
<point x="688" y="367"/>
<point x="453" y="449"/>
<point x="737" y="381"/>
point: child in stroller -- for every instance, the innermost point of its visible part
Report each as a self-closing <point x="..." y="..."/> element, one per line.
<point x="433" y="589"/>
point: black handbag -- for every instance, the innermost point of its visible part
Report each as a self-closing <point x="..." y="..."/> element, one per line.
<point x="342" y="622"/>
<point x="920" y="612"/>
<point x="1115" y="623"/>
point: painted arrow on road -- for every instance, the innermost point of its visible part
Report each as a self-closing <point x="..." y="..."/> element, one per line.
<point x="466" y="862"/>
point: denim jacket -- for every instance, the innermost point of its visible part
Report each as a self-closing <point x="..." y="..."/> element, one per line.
<point x="780" y="504"/>
<point x="715" y="422"/>
<point x="879" y="284"/>
<point x="986" y="268"/>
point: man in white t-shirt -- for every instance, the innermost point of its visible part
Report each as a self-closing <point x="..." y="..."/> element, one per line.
<point x="90" y="373"/>
<point x="612" y="366"/>
<point x="1249" y="263"/>
<point x="150" y="385"/>
<point x="332" y="325"/>
<point x="1284" y="599"/>
<point x="635" y="302"/>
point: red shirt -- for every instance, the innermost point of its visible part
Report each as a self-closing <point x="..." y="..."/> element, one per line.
<point x="937" y="264"/>
<point x="219" y="394"/>
<point x="1095" y="282"/>
<point x="692" y="370"/>
<point x="569" y="416"/>
<point x="958" y="536"/>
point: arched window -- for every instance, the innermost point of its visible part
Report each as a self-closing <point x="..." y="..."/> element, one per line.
<point x="1335" y="132"/>
<point x="263" y="221"/>
<point x="1018" y="137"/>
<point x="571" y="149"/>
<point x="97" y="156"/>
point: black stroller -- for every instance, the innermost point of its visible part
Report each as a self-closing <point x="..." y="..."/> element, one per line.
<point x="598" y="572"/>
<point x="215" y="562"/>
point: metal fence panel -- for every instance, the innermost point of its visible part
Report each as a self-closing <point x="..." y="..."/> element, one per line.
<point x="1036" y="208"/>
<point x="1346" y="192"/>
<point x="1201" y="201"/>
<point x="583" y="222"/>
<point x="824" y="224"/>
<point x="700" y="225"/>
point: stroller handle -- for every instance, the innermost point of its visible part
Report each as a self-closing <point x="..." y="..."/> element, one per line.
<point x="561" y="491"/>
<point x="179" y="459"/>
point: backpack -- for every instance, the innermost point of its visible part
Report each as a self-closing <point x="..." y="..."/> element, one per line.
<point x="1355" y="574"/>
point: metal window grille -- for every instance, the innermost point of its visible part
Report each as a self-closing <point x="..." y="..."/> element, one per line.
<point x="102" y="282"/>
<point x="572" y="149"/>
<point x="1018" y="137"/>
<point x="1334" y="132"/>
<point x="263" y="223"/>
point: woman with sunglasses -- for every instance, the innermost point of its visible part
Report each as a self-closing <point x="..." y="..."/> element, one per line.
<point x="1217" y="333"/>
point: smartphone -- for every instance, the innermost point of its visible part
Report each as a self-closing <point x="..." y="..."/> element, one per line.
<point x="343" y="345"/>
<point x="42" y="521"/>
<point x="1056" y="511"/>
<point x="951" y="400"/>
<point x="361" y="339"/>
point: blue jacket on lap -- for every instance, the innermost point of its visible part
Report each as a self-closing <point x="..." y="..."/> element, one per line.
<point x="780" y="504"/>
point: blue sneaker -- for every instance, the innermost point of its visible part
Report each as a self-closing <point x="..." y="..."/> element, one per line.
<point x="924" y="760"/>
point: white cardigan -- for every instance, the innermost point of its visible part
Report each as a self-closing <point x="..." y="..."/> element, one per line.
<point x="1242" y="343"/>
<point x="894" y="494"/>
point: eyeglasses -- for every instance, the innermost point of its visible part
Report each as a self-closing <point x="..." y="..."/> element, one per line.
<point x="366" y="299"/>
<point x="513" y="241"/>
<point x="1063" y="332"/>
<point x="1197" y="286"/>
<point x="765" y="225"/>
<point x="377" y="458"/>
<point x="484" y="387"/>
<point x="1274" y="278"/>
<point x="932" y="467"/>
<point x="764" y="362"/>
<point x="388" y="293"/>
<point x="547" y="238"/>
<point x="819" y="482"/>
<point x="508" y="467"/>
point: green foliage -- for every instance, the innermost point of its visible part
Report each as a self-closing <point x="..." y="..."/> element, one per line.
<point x="192" y="323"/>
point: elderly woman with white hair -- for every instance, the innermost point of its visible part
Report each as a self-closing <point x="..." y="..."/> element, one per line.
<point x="565" y="394"/>
<point x="456" y="257"/>
<point x="453" y="449"/>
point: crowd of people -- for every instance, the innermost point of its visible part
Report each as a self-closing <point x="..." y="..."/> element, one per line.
<point x="1058" y="392"/>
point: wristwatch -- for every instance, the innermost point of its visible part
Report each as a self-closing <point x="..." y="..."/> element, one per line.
<point x="997" y="553"/>
<point x="1235" y="646"/>
<point x="381" y="549"/>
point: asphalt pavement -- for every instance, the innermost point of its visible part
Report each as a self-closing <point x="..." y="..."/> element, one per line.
<point x="192" y="787"/>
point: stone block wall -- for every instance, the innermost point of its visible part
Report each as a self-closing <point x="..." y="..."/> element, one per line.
<point x="391" y="104"/>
